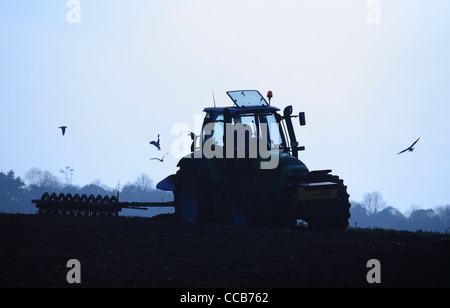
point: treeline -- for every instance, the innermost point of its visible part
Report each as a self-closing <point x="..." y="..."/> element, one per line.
<point x="16" y="193"/>
<point x="373" y="212"/>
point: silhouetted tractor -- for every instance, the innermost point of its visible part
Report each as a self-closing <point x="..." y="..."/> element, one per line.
<point x="244" y="169"/>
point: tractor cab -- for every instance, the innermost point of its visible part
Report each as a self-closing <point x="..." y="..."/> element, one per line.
<point x="248" y="129"/>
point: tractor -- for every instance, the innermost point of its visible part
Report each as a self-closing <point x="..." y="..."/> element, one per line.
<point x="244" y="169"/>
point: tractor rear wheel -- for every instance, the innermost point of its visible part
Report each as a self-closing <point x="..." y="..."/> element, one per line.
<point x="249" y="203"/>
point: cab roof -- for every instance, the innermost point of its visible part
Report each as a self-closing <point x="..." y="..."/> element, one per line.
<point x="242" y="110"/>
<point x="245" y="101"/>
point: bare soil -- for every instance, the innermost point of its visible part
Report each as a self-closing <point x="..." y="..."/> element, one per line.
<point x="161" y="252"/>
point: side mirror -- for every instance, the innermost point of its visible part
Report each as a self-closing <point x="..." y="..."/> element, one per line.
<point x="302" y="119"/>
<point x="287" y="111"/>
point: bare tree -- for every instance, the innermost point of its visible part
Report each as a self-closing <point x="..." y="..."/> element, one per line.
<point x="443" y="212"/>
<point x="33" y="176"/>
<point x="39" y="178"/>
<point x="49" y="180"/>
<point x="373" y="202"/>
<point x="144" y="182"/>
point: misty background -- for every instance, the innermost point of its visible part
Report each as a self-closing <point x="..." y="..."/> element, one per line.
<point x="130" y="70"/>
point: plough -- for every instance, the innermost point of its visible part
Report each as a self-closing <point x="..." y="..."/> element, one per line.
<point x="76" y="205"/>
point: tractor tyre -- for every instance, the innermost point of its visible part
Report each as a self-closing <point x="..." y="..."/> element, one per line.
<point x="190" y="198"/>
<point x="333" y="215"/>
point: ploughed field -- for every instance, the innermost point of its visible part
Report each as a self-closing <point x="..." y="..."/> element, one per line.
<point x="162" y="252"/>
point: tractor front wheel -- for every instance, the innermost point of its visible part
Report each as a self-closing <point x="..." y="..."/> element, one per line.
<point x="190" y="205"/>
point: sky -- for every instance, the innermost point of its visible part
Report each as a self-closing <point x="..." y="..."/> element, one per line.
<point x="371" y="76"/>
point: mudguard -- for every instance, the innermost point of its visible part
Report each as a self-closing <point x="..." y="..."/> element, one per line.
<point x="168" y="184"/>
<point x="204" y="168"/>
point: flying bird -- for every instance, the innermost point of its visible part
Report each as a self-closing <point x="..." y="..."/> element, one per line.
<point x="160" y="159"/>
<point x="156" y="143"/>
<point x="63" y="129"/>
<point x="411" y="148"/>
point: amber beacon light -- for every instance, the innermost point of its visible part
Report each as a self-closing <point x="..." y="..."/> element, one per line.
<point x="269" y="95"/>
